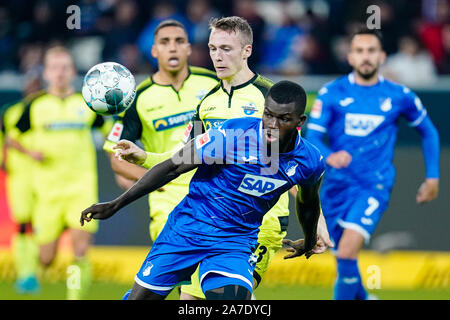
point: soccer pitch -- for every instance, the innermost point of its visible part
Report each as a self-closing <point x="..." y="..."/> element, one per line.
<point x="111" y="291"/>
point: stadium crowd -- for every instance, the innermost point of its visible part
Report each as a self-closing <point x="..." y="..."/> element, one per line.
<point x="291" y="37"/>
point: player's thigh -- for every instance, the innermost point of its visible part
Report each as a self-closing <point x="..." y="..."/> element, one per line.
<point x="74" y="205"/>
<point x="48" y="219"/>
<point x="227" y="268"/>
<point x="170" y="263"/>
<point x="266" y="250"/>
<point x="20" y="197"/>
<point x="194" y="289"/>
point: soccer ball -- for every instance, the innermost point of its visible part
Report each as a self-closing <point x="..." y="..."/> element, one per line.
<point x="109" y="88"/>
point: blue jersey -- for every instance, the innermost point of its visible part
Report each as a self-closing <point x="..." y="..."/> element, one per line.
<point x="236" y="185"/>
<point x="363" y="121"/>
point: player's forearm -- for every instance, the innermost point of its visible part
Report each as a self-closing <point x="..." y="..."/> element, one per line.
<point x="152" y="180"/>
<point x="430" y="147"/>
<point x="127" y="170"/>
<point x="308" y="213"/>
<point x="155" y="158"/>
<point x="161" y="174"/>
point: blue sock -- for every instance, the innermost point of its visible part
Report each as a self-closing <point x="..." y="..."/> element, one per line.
<point x="126" y="295"/>
<point x="348" y="284"/>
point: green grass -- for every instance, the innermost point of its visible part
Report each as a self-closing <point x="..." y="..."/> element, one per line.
<point x="111" y="291"/>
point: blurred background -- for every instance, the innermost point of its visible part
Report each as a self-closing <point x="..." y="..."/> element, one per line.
<point x="301" y="40"/>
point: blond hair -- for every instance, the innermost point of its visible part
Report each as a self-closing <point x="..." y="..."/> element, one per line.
<point x="234" y="24"/>
<point x="56" y="50"/>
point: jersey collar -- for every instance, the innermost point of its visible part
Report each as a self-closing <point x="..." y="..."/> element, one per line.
<point x="351" y="79"/>
<point x="240" y="86"/>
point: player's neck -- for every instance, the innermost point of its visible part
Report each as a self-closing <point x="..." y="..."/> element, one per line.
<point x="243" y="76"/>
<point x="175" y="79"/>
<point x="60" y="92"/>
<point x="366" y="82"/>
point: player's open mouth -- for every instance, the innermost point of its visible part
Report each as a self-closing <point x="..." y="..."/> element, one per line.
<point x="270" y="137"/>
<point x="173" y="62"/>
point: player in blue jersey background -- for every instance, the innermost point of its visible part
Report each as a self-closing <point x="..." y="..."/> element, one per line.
<point x="358" y="113"/>
<point x="216" y="225"/>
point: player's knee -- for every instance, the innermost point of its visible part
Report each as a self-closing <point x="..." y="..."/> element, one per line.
<point x="140" y="293"/>
<point x="229" y="292"/>
<point x="46" y="259"/>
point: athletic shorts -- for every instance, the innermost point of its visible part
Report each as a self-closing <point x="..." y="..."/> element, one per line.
<point x="174" y="258"/>
<point x="53" y="214"/>
<point x="357" y="209"/>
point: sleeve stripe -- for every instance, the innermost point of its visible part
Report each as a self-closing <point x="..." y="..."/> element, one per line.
<point x="316" y="127"/>
<point x="416" y="122"/>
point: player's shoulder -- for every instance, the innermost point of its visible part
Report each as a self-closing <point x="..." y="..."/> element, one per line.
<point x="262" y="83"/>
<point x="336" y="85"/>
<point x="143" y="85"/>
<point x="241" y="123"/>
<point x="202" y="72"/>
<point x="396" y="88"/>
<point x="33" y="97"/>
<point x="310" y="157"/>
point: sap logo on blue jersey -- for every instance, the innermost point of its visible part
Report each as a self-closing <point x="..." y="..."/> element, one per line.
<point x="258" y="186"/>
<point x="361" y="125"/>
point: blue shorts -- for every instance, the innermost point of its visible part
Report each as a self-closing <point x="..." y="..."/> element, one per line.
<point x="355" y="208"/>
<point x="174" y="257"/>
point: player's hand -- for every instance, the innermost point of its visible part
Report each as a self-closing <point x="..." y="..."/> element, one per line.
<point x="323" y="238"/>
<point x="98" y="211"/>
<point x="127" y="150"/>
<point x="428" y="191"/>
<point x="297" y="249"/>
<point x="339" y="159"/>
<point x="36" y="155"/>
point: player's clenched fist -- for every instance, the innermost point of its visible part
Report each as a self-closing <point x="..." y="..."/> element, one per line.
<point x="127" y="150"/>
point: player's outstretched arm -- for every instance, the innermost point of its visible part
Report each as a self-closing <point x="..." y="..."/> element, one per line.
<point x="313" y="224"/>
<point x="185" y="160"/>
<point x="429" y="189"/>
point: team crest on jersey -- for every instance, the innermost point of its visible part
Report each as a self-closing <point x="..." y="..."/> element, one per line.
<point x="258" y="186"/>
<point x="250" y="109"/>
<point x="361" y="125"/>
<point x="386" y="105"/>
<point x="116" y="132"/>
<point x="175" y="120"/>
<point x="147" y="269"/>
<point x="292" y="166"/>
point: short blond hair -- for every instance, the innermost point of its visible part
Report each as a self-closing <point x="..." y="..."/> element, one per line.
<point x="56" y="50"/>
<point x="234" y="24"/>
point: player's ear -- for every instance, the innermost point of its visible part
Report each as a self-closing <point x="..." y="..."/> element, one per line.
<point x="154" y="52"/>
<point x="247" y="51"/>
<point x="302" y="120"/>
<point x="189" y="50"/>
